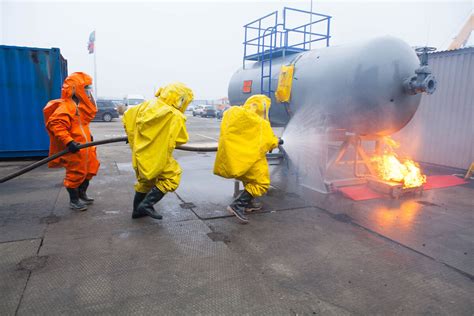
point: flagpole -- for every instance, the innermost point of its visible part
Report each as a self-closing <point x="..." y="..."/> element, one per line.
<point x="311" y="25"/>
<point x="95" y="66"/>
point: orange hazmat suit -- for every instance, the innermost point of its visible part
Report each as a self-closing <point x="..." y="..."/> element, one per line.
<point x="67" y="121"/>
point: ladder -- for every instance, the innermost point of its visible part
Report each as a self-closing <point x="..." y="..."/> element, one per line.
<point x="266" y="59"/>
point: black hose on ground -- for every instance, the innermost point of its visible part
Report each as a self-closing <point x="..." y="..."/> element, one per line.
<point x="186" y="147"/>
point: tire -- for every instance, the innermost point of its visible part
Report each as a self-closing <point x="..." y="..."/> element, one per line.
<point x="107" y="117"/>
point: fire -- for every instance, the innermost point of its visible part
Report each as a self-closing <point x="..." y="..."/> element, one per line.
<point x="390" y="168"/>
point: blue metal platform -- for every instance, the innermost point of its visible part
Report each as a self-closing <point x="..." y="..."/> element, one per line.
<point x="279" y="52"/>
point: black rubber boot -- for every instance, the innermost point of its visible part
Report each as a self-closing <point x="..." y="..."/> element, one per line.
<point x="239" y="205"/>
<point x="146" y="206"/>
<point x="253" y="206"/>
<point x="136" y="201"/>
<point x="82" y="193"/>
<point x="74" y="202"/>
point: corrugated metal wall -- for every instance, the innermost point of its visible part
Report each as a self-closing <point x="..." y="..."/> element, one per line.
<point x="29" y="78"/>
<point x="442" y="132"/>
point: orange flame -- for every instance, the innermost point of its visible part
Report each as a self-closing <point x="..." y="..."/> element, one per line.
<point x="390" y="168"/>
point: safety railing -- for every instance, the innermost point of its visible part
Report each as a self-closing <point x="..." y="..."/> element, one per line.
<point x="266" y="38"/>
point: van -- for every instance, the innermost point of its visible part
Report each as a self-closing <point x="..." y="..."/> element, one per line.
<point x="133" y="99"/>
<point x="197" y="110"/>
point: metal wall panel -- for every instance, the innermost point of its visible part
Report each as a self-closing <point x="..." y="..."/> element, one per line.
<point x="29" y="78"/>
<point x="442" y="132"/>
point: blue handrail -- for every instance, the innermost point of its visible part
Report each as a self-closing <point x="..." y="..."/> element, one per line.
<point x="283" y="38"/>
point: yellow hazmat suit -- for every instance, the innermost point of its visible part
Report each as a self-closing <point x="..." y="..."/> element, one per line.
<point x="154" y="128"/>
<point x="246" y="136"/>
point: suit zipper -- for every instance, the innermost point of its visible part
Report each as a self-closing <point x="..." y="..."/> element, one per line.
<point x="83" y="134"/>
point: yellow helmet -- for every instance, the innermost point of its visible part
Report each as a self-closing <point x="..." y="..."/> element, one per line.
<point x="176" y="94"/>
<point x="260" y="104"/>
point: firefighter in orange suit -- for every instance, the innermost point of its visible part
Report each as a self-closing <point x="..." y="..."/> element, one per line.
<point x="67" y="122"/>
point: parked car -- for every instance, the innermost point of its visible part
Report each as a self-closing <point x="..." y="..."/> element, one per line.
<point x="106" y="111"/>
<point x="208" y="111"/>
<point x="220" y="113"/>
<point x="197" y="110"/>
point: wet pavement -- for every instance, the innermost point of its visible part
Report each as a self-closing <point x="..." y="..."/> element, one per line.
<point x="306" y="253"/>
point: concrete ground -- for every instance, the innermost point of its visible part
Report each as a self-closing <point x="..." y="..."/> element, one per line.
<point x="305" y="254"/>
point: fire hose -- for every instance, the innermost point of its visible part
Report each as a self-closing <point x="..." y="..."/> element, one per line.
<point x="186" y="147"/>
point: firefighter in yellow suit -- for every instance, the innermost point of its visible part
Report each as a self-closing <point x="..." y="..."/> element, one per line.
<point x="246" y="136"/>
<point x="154" y="128"/>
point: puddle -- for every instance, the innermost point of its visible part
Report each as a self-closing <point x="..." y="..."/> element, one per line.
<point x="51" y="219"/>
<point x="218" y="236"/>
<point x="426" y="203"/>
<point x="344" y="218"/>
<point x="187" y="206"/>
<point x="32" y="263"/>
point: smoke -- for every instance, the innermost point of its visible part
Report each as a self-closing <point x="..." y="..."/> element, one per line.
<point x="306" y="148"/>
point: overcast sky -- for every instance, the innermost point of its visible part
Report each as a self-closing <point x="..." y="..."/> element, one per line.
<point x="143" y="45"/>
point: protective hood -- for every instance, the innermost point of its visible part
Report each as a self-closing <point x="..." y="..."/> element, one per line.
<point x="259" y="104"/>
<point x="177" y="95"/>
<point x="75" y="84"/>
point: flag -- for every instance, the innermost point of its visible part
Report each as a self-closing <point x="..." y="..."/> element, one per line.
<point x="90" y="45"/>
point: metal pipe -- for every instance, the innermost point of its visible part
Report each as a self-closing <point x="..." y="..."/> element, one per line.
<point x="423" y="80"/>
<point x="186" y="147"/>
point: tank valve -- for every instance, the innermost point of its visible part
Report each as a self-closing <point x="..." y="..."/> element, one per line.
<point x="423" y="80"/>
